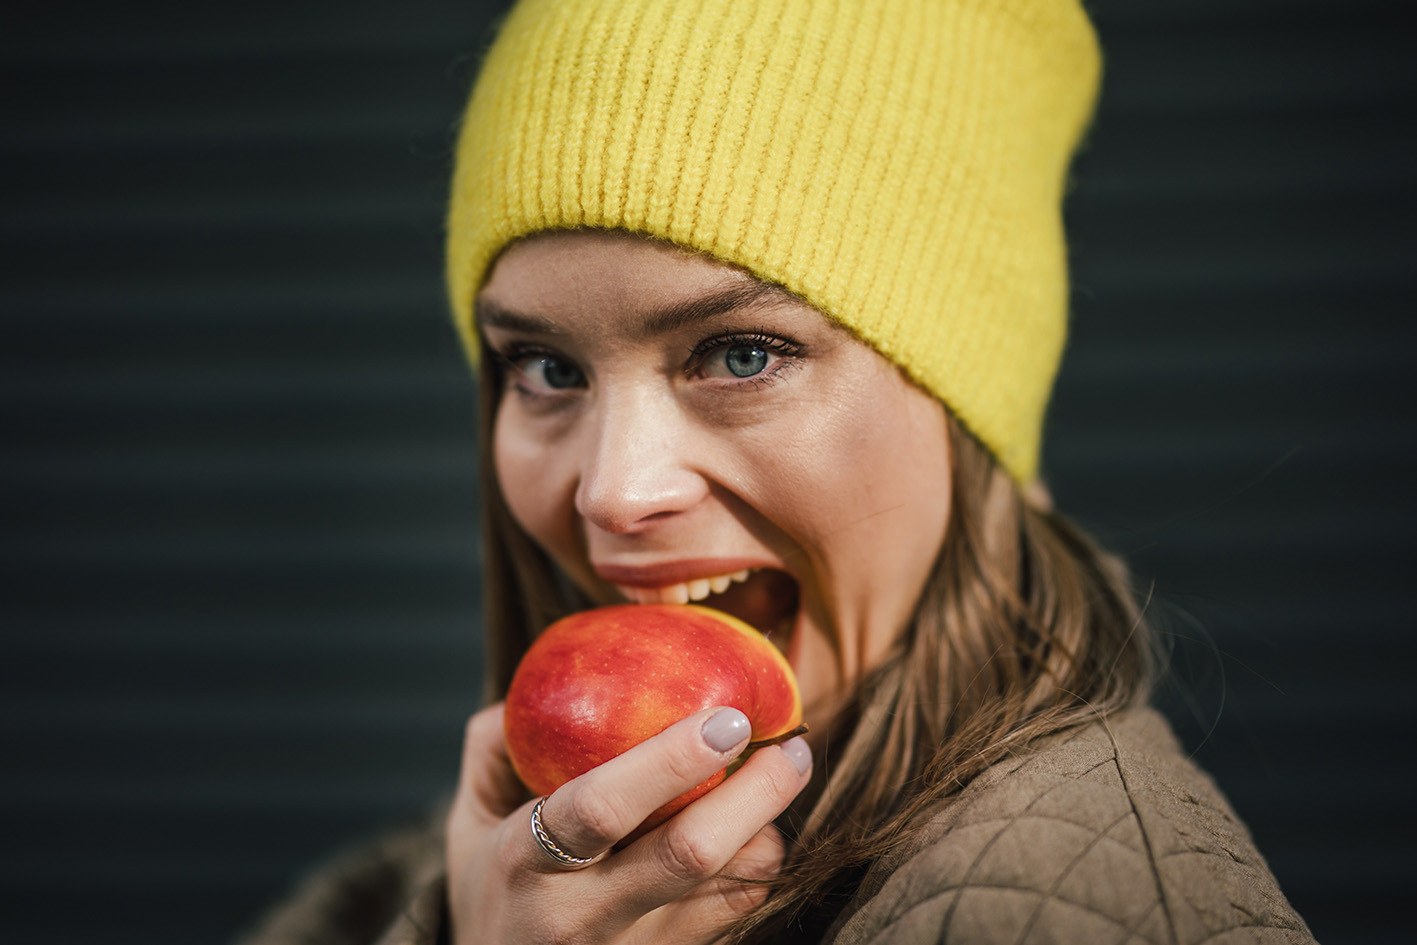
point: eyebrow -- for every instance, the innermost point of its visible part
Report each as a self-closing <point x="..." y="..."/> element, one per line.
<point x="491" y="315"/>
<point x="749" y="295"/>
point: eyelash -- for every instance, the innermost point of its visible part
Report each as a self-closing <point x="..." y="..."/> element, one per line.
<point x="513" y="357"/>
<point x="787" y="350"/>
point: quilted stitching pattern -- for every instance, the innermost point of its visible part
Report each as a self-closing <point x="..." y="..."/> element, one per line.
<point x="1103" y="835"/>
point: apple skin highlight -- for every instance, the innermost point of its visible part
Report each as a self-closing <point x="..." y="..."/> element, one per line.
<point x="597" y="683"/>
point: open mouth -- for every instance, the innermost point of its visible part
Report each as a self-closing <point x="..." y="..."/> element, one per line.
<point x="760" y="597"/>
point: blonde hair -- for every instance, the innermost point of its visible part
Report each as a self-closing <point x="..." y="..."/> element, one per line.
<point x="1025" y="628"/>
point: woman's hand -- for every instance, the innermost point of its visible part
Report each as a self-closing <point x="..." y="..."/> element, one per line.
<point x="669" y="886"/>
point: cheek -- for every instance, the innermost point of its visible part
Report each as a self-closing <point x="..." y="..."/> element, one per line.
<point x="884" y="460"/>
<point x="527" y="475"/>
<point x="923" y="471"/>
<point x="918" y="471"/>
<point x="880" y="497"/>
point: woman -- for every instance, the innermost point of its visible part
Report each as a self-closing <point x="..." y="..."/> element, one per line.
<point x="768" y="299"/>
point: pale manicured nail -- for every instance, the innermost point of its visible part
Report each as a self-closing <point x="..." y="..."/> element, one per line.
<point x="726" y="728"/>
<point x="796" y="749"/>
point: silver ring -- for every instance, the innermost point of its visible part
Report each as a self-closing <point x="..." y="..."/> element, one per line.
<point x="549" y="847"/>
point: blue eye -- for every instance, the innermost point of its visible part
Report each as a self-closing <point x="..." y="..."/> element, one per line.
<point x="745" y="360"/>
<point x="756" y="357"/>
<point x="545" y="372"/>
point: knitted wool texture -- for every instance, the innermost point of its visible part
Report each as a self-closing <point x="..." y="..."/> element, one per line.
<point x="898" y="164"/>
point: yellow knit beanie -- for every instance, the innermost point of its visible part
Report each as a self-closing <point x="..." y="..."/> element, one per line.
<point x="899" y="164"/>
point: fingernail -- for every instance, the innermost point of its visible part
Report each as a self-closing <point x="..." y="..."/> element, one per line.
<point x="797" y="751"/>
<point x="726" y="728"/>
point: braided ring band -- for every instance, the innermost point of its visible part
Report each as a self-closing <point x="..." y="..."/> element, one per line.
<point x="549" y="847"/>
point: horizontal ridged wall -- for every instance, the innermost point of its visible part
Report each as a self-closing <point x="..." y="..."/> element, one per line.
<point x="1235" y="412"/>
<point x="238" y="550"/>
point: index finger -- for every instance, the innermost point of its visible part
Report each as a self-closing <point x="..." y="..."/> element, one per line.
<point x="590" y="814"/>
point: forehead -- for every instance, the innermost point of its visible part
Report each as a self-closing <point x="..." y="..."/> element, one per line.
<point x="559" y="275"/>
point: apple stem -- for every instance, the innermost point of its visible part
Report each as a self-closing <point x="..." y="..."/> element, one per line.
<point x="777" y="739"/>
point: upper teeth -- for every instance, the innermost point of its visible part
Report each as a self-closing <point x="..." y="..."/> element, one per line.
<point x="683" y="593"/>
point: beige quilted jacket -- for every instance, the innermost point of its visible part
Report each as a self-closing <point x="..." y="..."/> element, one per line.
<point x="1105" y="834"/>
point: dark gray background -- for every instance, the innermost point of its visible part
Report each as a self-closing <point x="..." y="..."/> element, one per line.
<point x="238" y="559"/>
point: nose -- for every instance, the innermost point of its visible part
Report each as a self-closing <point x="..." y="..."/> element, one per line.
<point x="636" y="467"/>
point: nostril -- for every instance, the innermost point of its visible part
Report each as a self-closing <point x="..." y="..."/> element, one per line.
<point x="622" y="522"/>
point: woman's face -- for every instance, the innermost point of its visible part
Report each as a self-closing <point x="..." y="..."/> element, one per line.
<point x="673" y="430"/>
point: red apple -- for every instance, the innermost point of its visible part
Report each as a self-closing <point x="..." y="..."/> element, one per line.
<point x="601" y="681"/>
